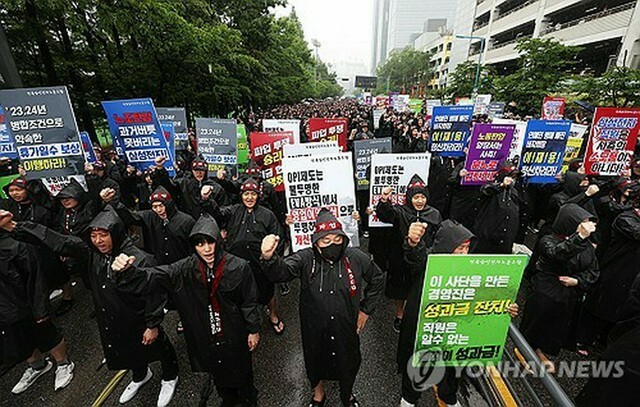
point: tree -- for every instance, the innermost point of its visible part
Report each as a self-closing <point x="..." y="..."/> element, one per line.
<point x="327" y="85"/>
<point x="619" y="87"/>
<point x="462" y="80"/>
<point x="403" y="70"/>
<point x="543" y="69"/>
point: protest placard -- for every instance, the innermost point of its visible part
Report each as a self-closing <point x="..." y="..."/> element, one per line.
<point x="415" y="105"/>
<point x="430" y="105"/>
<point x="243" y="146"/>
<point x="402" y="103"/>
<point x="463" y="314"/>
<point x="309" y="149"/>
<point x="495" y="110"/>
<point x="178" y="116"/>
<point x="266" y="151"/>
<point x="450" y="130"/>
<point x="518" y="136"/>
<point x="329" y="129"/>
<point x="488" y="149"/>
<point x="43" y="127"/>
<point x="282" y="125"/>
<point x="612" y="140"/>
<point x="481" y="104"/>
<point x="316" y="182"/>
<point x="168" y="129"/>
<point x="553" y="108"/>
<point x="377" y="114"/>
<point x="544" y="145"/>
<point x="7" y="146"/>
<point x="395" y="171"/>
<point x="218" y="144"/>
<point x="135" y="128"/>
<point x="382" y="102"/>
<point x="87" y="148"/>
<point x="363" y="150"/>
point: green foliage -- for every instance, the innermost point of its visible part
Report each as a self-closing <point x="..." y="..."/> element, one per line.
<point x="619" y="87"/>
<point x="404" y="69"/>
<point x="209" y="56"/>
<point x="462" y="80"/>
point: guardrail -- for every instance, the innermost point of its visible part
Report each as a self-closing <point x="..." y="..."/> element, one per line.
<point x="513" y="10"/>
<point x="603" y="13"/>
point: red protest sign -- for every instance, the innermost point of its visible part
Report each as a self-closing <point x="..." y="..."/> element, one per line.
<point x="612" y="141"/>
<point x="329" y="129"/>
<point x="266" y="151"/>
<point x="553" y="108"/>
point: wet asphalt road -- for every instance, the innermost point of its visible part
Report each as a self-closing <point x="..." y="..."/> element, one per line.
<point x="278" y="366"/>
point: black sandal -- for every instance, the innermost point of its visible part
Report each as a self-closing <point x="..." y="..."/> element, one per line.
<point x="276" y="325"/>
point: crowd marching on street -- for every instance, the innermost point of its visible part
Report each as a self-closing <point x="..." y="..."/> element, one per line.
<point x="216" y="246"/>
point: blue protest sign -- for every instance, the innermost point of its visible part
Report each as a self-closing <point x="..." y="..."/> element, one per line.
<point x="450" y="127"/>
<point x="168" y="129"/>
<point x="136" y="129"/>
<point x="7" y="147"/>
<point x="544" y="146"/>
<point x="87" y="147"/>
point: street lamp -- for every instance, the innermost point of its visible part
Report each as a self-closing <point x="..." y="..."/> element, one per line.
<point x="482" y="42"/>
<point x="317" y="45"/>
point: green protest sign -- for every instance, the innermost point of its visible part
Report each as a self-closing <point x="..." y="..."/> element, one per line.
<point x="415" y="105"/>
<point x="463" y="312"/>
<point x="243" y="148"/>
<point x="4" y="181"/>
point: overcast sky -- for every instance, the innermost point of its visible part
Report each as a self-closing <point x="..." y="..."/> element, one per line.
<point x="343" y="27"/>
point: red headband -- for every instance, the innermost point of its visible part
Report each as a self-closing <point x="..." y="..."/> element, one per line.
<point x="417" y="184"/>
<point x="199" y="165"/>
<point x="19" y="182"/>
<point x="160" y="196"/>
<point x="328" y="226"/>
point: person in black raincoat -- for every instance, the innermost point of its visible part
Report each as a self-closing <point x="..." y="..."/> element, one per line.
<point x="247" y="223"/>
<point x="464" y="198"/>
<point x="498" y="216"/>
<point x="335" y="302"/>
<point x="620" y="266"/>
<point x="415" y="209"/>
<point x="26" y="332"/>
<point x="566" y="268"/>
<point x="216" y="297"/>
<point x="128" y="317"/>
<point x="439" y="173"/>
<point x="191" y="185"/>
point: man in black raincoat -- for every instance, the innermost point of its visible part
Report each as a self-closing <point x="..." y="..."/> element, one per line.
<point x="247" y="223"/>
<point x="26" y="332"/>
<point x="566" y="268"/>
<point x="128" y="317"/>
<point x="464" y="198"/>
<point x="335" y="302"/>
<point x="191" y="185"/>
<point x="415" y="209"/>
<point x="216" y="297"/>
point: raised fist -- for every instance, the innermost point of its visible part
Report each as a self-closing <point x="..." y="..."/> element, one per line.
<point x="205" y="192"/>
<point x="386" y="193"/>
<point x="416" y="231"/>
<point x="107" y="194"/>
<point x="122" y="262"/>
<point x="269" y="246"/>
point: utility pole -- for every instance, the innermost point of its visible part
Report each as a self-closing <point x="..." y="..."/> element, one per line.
<point x="317" y="45"/>
<point x="482" y="42"/>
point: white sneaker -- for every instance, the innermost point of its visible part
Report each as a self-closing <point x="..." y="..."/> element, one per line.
<point x="55" y="294"/>
<point x="64" y="374"/>
<point x="29" y="377"/>
<point x="405" y="403"/>
<point x="455" y="405"/>
<point x="133" y="387"/>
<point x="166" y="392"/>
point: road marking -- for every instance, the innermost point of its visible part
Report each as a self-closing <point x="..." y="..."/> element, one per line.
<point x="109" y="388"/>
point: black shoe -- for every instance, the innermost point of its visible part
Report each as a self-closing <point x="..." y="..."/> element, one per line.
<point x="284" y="289"/>
<point x="397" y="322"/>
<point x="354" y="401"/>
<point x="65" y="306"/>
<point x="315" y="403"/>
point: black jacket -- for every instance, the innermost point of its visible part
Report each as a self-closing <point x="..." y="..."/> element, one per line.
<point x="498" y="218"/>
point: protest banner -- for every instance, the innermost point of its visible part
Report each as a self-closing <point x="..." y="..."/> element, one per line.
<point x="574" y="144"/>
<point x="266" y="151"/>
<point x="367" y="98"/>
<point x="612" y="141"/>
<point x="488" y="150"/>
<point x="393" y="99"/>
<point x="450" y="130"/>
<point x="313" y="183"/>
<point x="309" y="149"/>
<point x="178" y="116"/>
<point x="553" y="108"/>
<point x="168" y="130"/>
<point x="464" y="101"/>
<point x="518" y="136"/>
<point x="463" y="314"/>
<point x="135" y="128"/>
<point x="363" y="150"/>
<point x="377" y="114"/>
<point x="382" y="102"/>
<point x="430" y="105"/>
<point x="544" y="144"/>
<point x="7" y="146"/>
<point x="218" y="144"/>
<point x="87" y="148"/>
<point x="395" y="171"/>
<point x="243" y="147"/>
<point x="43" y="127"/>
<point x="415" y="105"/>
<point x="329" y="129"/>
<point x="282" y="125"/>
<point x="402" y="103"/>
<point x="481" y="104"/>
<point x="495" y="110"/>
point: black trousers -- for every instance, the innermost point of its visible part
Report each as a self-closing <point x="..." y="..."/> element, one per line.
<point x="168" y="360"/>
<point x="447" y="388"/>
<point x="246" y="396"/>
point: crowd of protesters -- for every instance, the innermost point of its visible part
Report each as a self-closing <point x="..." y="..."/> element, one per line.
<point x="213" y="247"/>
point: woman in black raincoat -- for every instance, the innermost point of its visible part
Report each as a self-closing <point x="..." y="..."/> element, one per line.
<point x="216" y="297"/>
<point x="464" y="198"/>
<point x="566" y="268"/>
<point x="415" y="209"/>
<point x="335" y="302"/>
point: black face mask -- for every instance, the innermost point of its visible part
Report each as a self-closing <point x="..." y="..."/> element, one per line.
<point x="333" y="252"/>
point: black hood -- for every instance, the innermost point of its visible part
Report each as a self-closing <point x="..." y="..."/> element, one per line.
<point x="416" y="186"/>
<point x="568" y="219"/>
<point x="451" y="235"/>
<point x="73" y="190"/>
<point x="109" y="220"/>
<point x="22" y="183"/>
<point x="572" y="182"/>
<point x="207" y="226"/>
<point x="326" y="217"/>
<point x="160" y="194"/>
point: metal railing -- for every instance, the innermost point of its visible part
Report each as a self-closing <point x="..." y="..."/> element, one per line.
<point x="513" y="10"/>
<point x="504" y="44"/>
<point x="582" y="20"/>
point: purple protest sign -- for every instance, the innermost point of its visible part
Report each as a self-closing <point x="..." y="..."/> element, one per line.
<point x="488" y="148"/>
